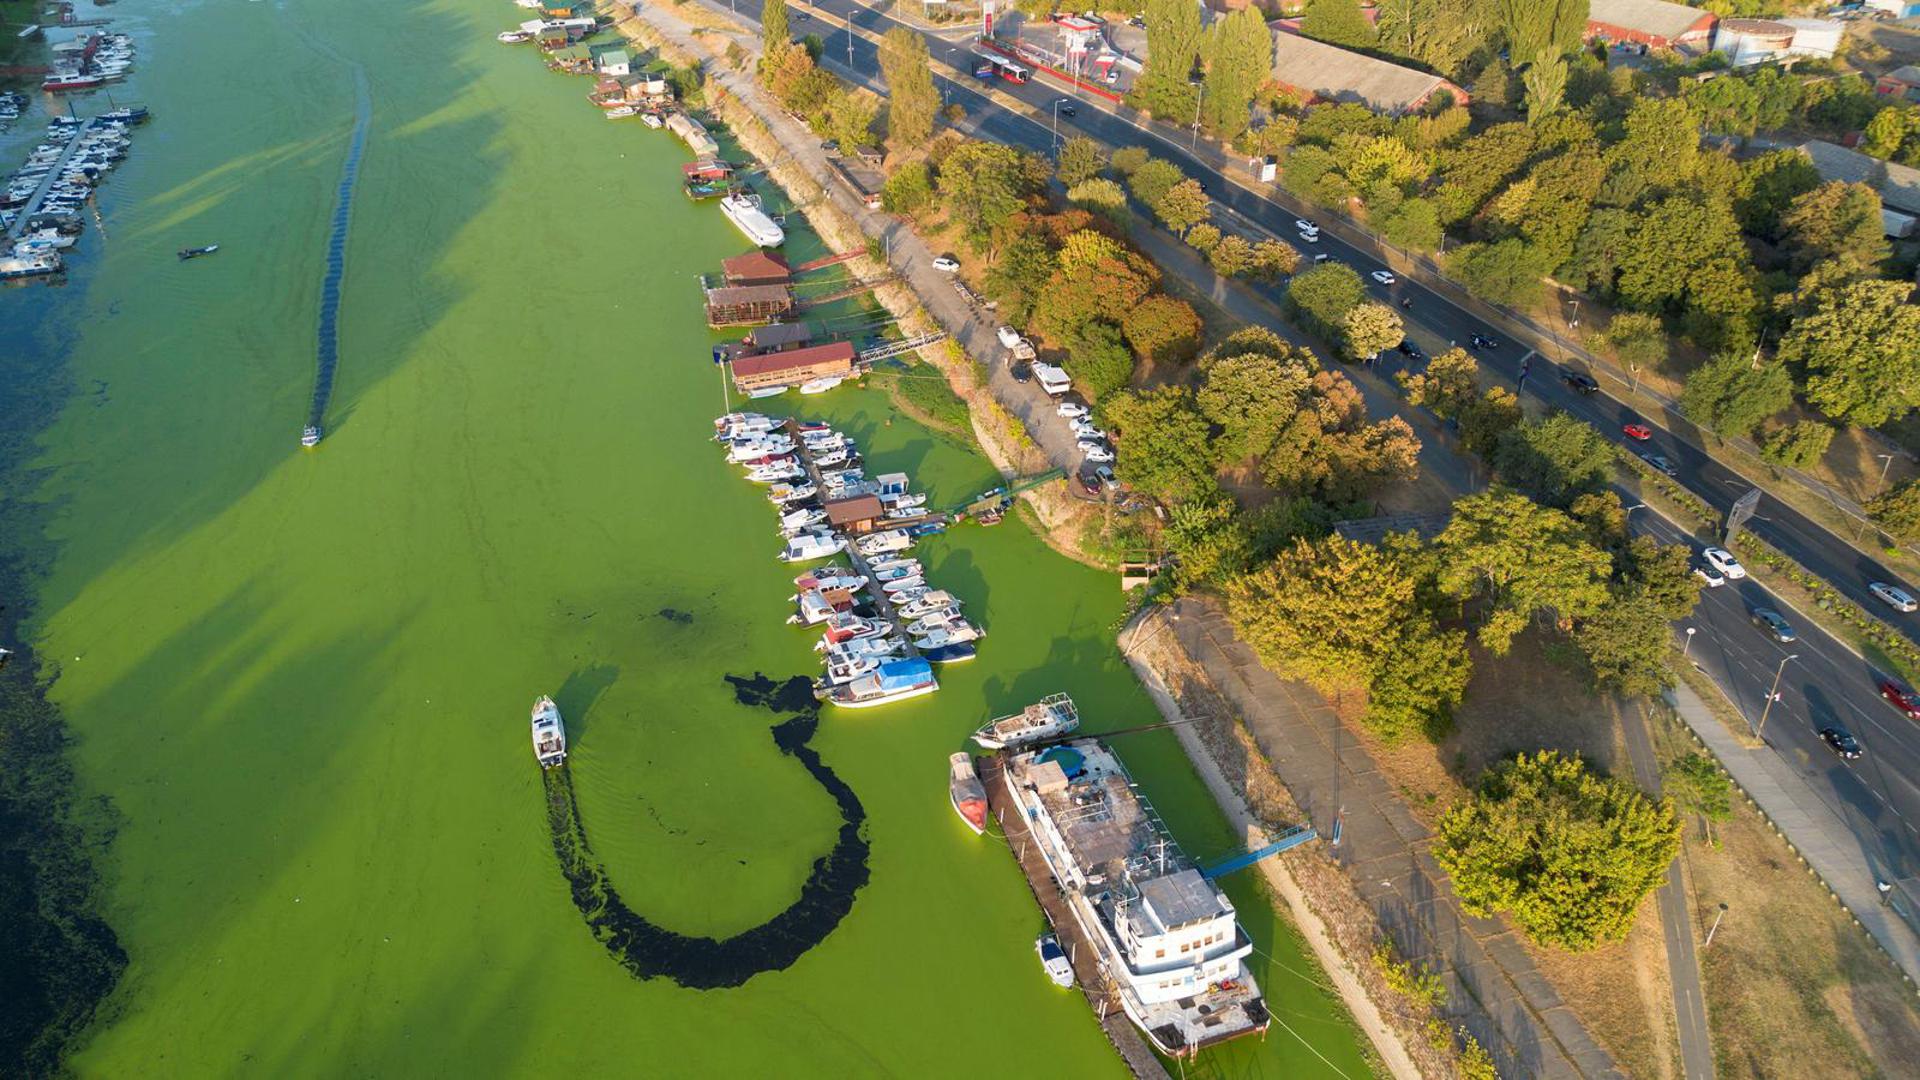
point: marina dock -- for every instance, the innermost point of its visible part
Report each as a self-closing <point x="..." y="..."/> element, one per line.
<point x="1102" y="997"/>
<point x="860" y="562"/>
<point x="32" y="208"/>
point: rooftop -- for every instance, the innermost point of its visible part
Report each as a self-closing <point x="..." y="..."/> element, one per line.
<point x="756" y="265"/>
<point x="1907" y="73"/>
<point x="1181" y="898"/>
<point x="767" y="363"/>
<point x="1336" y="74"/>
<point x="1647" y="16"/>
<point x="857" y="508"/>
<point x="1898" y="185"/>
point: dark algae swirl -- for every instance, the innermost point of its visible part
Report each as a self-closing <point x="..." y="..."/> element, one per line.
<point x="704" y="963"/>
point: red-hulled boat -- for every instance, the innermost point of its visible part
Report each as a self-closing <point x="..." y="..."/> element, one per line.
<point x="968" y="795"/>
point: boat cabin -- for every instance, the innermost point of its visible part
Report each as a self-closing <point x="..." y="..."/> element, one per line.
<point x="711" y="169"/>
<point x="552" y="38"/>
<point x="834" y="360"/>
<point x="564" y="9"/>
<point x="857" y="514"/>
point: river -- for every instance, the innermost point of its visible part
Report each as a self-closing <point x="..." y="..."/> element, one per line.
<point x="303" y="678"/>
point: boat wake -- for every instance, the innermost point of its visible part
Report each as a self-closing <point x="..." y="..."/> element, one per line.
<point x="703" y="963"/>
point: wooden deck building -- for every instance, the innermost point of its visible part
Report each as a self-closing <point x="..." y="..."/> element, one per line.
<point x="834" y="360"/>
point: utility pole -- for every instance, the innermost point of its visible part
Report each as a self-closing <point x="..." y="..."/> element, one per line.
<point x="1773" y="695"/>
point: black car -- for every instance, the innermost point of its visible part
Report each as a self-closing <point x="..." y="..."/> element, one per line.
<point x="1069" y="111"/>
<point x="1841" y="742"/>
<point x="1482" y="341"/>
<point x="1409" y="350"/>
<point x="1021" y="371"/>
<point x="1775" y="625"/>
<point x="1090" y="483"/>
<point x="1660" y="464"/>
<point x="1581" y="383"/>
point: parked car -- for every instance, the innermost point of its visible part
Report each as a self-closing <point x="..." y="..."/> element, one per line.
<point x="1021" y="372"/>
<point x="1482" y="341"/>
<point x="1660" y="464"/>
<point x="1582" y="384"/>
<point x="1105" y="475"/>
<point x="1707" y="574"/>
<point x="1841" y="742"/>
<point x="1072" y="410"/>
<point x="1639" y="432"/>
<point x="1774" y="625"/>
<point x="1322" y="257"/>
<point x="1089" y="483"/>
<point x="1901" y="698"/>
<point x="1895" y="597"/>
<point x="1722" y="560"/>
<point x="1097" y="454"/>
<point x="948" y="265"/>
<point x="1384" y="277"/>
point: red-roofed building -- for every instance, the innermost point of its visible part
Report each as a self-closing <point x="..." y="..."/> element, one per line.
<point x="756" y="268"/>
<point x="833" y="360"/>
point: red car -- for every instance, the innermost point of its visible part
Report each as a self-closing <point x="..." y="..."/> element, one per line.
<point x="1902" y="699"/>
<point x="1638" y="431"/>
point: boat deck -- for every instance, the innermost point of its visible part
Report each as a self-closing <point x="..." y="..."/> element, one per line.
<point x="1102" y="996"/>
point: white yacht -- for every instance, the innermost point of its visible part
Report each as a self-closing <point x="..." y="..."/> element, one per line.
<point x="1165" y="934"/>
<point x="1049" y="718"/>
<point x="549" y="734"/>
<point x="747" y="215"/>
<point x="894" y="680"/>
<point x="810" y="546"/>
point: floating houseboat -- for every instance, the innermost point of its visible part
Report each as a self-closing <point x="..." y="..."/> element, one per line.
<point x="1049" y="718"/>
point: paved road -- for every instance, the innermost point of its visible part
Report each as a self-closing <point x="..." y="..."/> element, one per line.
<point x="1676" y="919"/>
<point x="1877" y="796"/>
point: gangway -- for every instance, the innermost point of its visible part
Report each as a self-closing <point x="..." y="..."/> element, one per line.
<point x="894" y="348"/>
<point x="1292" y="838"/>
<point x="988" y="506"/>
<point x="829" y="260"/>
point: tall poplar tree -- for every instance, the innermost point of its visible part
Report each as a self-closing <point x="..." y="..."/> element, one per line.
<point x="912" y="101"/>
<point x="775" y="35"/>
<point x="1239" y="51"/>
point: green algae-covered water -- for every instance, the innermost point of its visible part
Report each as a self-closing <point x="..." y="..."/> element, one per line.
<point x="303" y="677"/>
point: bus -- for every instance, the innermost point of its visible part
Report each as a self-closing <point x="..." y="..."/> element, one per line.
<point x="1011" y="71"/>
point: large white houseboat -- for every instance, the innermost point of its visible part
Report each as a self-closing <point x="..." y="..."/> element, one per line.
<point x="1165" y="934"/>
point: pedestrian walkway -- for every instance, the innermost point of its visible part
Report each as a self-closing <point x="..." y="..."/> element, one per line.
<point x="1810" y="825"/>
<point x="1493" y="987"/>
<point x="1683" y="963"/>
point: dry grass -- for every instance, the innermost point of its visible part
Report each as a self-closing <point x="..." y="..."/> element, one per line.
<point x="1793" y="986"/>
<point x="1623" y="994"/>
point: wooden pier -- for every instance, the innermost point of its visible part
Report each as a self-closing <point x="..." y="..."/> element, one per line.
<point x="1102" y="997"/>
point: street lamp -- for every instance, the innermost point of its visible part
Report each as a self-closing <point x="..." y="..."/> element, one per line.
<point x="1887" y="460"/>
<point x="1056" y="125"/>
<point x="1717" y="916"/>
<point x="1631" y="509"/>
<point x="1198" y="100"/>
<point x="1773" y="695"/>
<point x="1688" y="647"/>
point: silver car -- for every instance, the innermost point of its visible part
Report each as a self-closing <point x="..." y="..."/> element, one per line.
<point x="1895" y="597"/>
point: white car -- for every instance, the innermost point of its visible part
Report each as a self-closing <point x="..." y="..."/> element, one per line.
<point x="1722" y="560"/>
<point x="1384" y="277"/>
<point x="946" y="265"/>
<point x="1097" y="454"/>
<point x="1713" y="578"/>
<point x="1008" y="336"/>
<point x="1305" y="226"/>
<point x="1895" y="597"/>
<point x="1072" y="410"/>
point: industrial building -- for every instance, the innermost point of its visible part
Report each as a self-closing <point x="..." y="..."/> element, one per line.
<point x="1653" y="23"/>
<point x="1330" y="73"/>
<point x="1897" y="185"/>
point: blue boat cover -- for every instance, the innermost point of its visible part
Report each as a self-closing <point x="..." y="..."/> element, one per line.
<point x="904" y="674"/>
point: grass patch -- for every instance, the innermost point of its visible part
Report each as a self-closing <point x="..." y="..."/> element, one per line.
<point x="922" y="392"/>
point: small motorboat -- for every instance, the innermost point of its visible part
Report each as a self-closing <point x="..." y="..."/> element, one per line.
<point x="310" y="436"/>
<point x="848" y="671"/>
<point x="821" y="386"/>
<point x="949" y="654"/>
<point x="804" y="518"/>
<point x="750" y="449"/>
<point x="954" y="633"/>
<point x="768" y="391"/>
<point x="968" y="795"/>
<point x="940" y="619"/>
<point x="903" y="584"/>
<point x="833" y="457"/>
<point x="652" y="120"/>
<point x="845" y="628"/>
<point x="620" y="112"/>
<point x="760" y="421"/>
<point x="194" y="253"/>
<point x="810" y="546"/>
<point x="790" y="493"/>
<point x="775" y="473"/>
<point x="879" y="648"/>
<point x="904" y="502"/>
<point x="1049" y="718"/>
<point x="922" y="606"/>
<point x="881" y="543"/>
<point x="513" y="37"/>
<point x="831" y="576"/>
<point x="549" y="734"/>
<point x="894" y="569"/>
<point x="1054" y="960"/>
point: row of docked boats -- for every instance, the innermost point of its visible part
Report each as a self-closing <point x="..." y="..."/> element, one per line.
<point x="41" y="203"/>
<point x="89" y="62"/>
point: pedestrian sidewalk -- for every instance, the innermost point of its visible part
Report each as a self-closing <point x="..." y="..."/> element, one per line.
<point x="1819" y="836"/>
<point x="1493" y="987"/>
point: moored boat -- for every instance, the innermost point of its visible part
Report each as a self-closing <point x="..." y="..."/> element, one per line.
<point x="748" y="215"/>
<point x="513" y="37"/>
<point x="810" y="546"/>
<point x="549" y="734"/>
<point x="894" y="680"/>
<point x="310" y="435"/>
<point x="956" y="653"/>
<point x="966" y="793"/>
<point x="1049" y="718"/>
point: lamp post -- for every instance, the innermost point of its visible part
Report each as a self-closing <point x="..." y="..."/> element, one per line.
<point x="1200" y="99"/>
<point x="1886" y="463"/>
<point x="1056" y="125"/>
<point x="1688" y="647"/>
<point x="1717" y="916"/>
<point x="1630" y="510"/>
<point x="1773" y="695"/>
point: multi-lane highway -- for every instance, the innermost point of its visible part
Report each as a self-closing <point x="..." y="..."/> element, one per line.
<point x="1825" y="685"/>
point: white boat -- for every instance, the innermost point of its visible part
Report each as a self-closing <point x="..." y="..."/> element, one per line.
<point x="894" y="566"/>
<point x="790" y="493"/>
<point x="847" y="671"/>
<point x="957" y="632"/>
<point x="549" y="734"/>
<point x="942" y="619"/>
<point x="810" y="546"/>
<point x="620" y="112"/>
<point x="773" y="474"/>
<point x="743" y="420"/>
<point x="866" y="648"/>
<point x="903" y="584"/>
<point x="759" y="448"/>
<point x="904" y="502"/>
<point x="803" y="518"/>
<point x="895" y="680"/>
<point x="528" y="3"/>
<point x="925" y="604"/>
<point x="1049" y="718"/>
<point x="750" y="217"/>
<point x="821" y="386"/>
<point x="881" y="543"/>
<point x="845" y="628"/>
<point x="1054" y="960"/>
<point x="832" y="457"/>
<point x="513" y="37"/>
<point x="768" y="391"/>
<point x="1137" y="899"/>
<point x="830" y="576"/>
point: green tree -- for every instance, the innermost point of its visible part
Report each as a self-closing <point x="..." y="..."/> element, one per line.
<point x="1080" y="159"/>
<point x="1891" y="130"/>
<point x="1662" y="572"/>
<point x="1731" y="395"/>
<point x="1099" y="360"/>
<point x="1488" y="421"/>
<point x="912" y="100"/>
<point x="1798" y="446"/>
<point x="1018" y="277"/>
<point x="1151" y="182"/>
<point x="1168" y="452"/>
<point x="1835" y="221"/>
<point x="1231" y="256"/>
<point x="1897" y="510"/>
<point x="1768" y="184"/>
<point x="1371" y="328"/>
<point x="908" y="190"/>
<point x="1568" y="854"/>
<point x="1413" y="224"/>
<point x="1184" y="205"/>
<point x="1555" y="460"/>
<point x="1174" y="39"/>
<point x="1104" y="197"/>
<point x="1448" y="388"/>
<point x="1276" y="258"/>
<point x="1699" y="786"/>
<point x="1519" y="558"/>
<point x="775" y="35"/>
<point x="1639" y="340"/>
<point x="1203" y="238"/>
<point x="1659" y="153"/>
<point x="1625" y="643"/>
<point x="1536" y="26"/>
<point x="1254" y="386"/>
<point x="1239" y="53"/>
<point x="1564" y="187"/>
<point x="1493" y="88"/>
<point x="1338" y="22"/>
<point x="1436" y="33"/>
<point x="1473" y="171"/>
<point x="1546" y="83"/>
<point x="1323" y="295"/>
<point x="1097" y="278"/>
<point x="984" y="185"/>
<point x="1859" y="348"/>
<point x="1162" y="328"/>
<point x="1597" y="254"/>
<point x="850" y="118"/>
<point x="1508" y="272"/>
<point x="1130" y="159"/>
